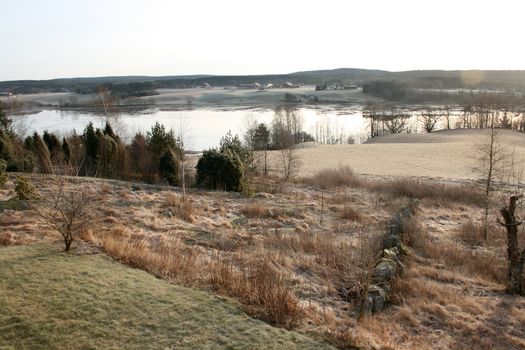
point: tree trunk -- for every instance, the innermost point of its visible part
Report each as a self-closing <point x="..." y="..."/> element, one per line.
<point x="67" y="242"/>
<point x="515" y="257"/>
<point x="516" y="279"/>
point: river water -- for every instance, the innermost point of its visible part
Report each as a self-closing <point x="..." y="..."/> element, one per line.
<point x="203" y="127"/>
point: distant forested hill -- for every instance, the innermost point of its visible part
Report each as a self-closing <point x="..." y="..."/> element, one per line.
<point x="435" y="79"/>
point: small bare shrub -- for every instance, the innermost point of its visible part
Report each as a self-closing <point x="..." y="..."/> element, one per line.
<point x="24" y="188"/>
<point x="67" y="211"/>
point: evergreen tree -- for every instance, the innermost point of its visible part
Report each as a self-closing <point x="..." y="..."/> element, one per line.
<point x="5" y="122"/>
<point x="91" y="143"/>
<point x="232" y="144"/>
<point x="53" y="145"/>
<point x="221" y="171"/>
<point x="261" y="138"/>
<point x="169" y="167"/>
<point x="107" y="156"/>
<point x="66" y="150"/>
<point x="42" y="154"/>
<point x="108" y="130"/>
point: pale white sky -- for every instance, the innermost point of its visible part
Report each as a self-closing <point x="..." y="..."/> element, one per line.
<point x="71" y="38"/>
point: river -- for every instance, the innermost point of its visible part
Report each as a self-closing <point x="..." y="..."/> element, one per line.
<point x="203" y="127"/>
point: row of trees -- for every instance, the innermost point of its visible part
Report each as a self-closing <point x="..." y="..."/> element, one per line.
<point x="157" y="155"/>
<point x="477" y="111"/>
<point x="153" y="157"/>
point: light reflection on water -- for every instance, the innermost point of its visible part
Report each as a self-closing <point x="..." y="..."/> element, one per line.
<point x="204" y="127"/>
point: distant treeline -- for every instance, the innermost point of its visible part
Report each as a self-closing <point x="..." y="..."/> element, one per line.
<point x="476" y="110"/>
<point x="389" y="90"/>
<point x="133" y="85"/>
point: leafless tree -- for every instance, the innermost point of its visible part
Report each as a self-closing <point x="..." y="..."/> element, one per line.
<point x="396" y="121"/>
<point x="66" y="210"/>
<point x="493" y="162"/>
<point x="370" y="112"/>
<point x="184" y="143"/>
<point x="429" y="118"/>
<point x="447" y="116"/>
<point x="290" y="162"/>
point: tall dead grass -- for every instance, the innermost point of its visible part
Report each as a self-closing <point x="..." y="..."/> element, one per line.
<point x="260" y="288"/>
<point x="329" y="179"/>
<point x="256" y="284"/>
<point x="256" y="210"/>
<point x="423" y="189"/>
<point x="485" y="263"/>
<point x="180" y="207"/>
<point x="163" y="257"/>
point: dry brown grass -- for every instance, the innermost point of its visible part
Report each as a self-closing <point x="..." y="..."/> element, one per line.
<point x="421" y="189"/>
<point x="260" y="288"/>
<point x="180" y="207"/>
<point x="257" y="285"/>
<point x="471" y="233"/>
<point x="485" y="263"/>
<point x="350" y="213"/>
<point x="255" y="210"/>
<point x="329" y="179"/>
<point x="283" y="264"/>
<point x="7" y="238"/>
<point x="160" y="255"/>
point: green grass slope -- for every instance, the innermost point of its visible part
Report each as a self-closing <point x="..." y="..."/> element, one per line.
<point x="50" y="299"/>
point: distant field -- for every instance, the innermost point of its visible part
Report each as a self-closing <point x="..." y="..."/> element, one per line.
<point x="218" y="97"/>
<point x="448" y="154"/>
<point x="53" y="300"/>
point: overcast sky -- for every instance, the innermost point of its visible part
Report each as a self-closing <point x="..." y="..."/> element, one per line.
<point x="72" y="38"/>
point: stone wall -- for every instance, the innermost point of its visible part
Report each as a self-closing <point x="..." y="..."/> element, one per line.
<point x="389" y="263"/>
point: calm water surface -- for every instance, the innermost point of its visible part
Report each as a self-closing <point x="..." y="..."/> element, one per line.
<point x="204" y="126"/>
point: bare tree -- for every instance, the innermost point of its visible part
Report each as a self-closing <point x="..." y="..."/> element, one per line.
<point x="492" y="165"/>
<point x="285" y="128"/>
<point x="370" y="112"/>
<point x="290" y="162"/>
<point x="429" y="118"/>
<point x="516" y="258"/>
<point x="396" y="121"/>
<point x="447" y="116"/>
<point x="184" y="143"/>
<point x="66" y="210"/>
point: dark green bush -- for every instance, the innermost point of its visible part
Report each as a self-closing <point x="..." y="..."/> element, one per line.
<point x="221" y="171"/>
<point x="169" y="167"/>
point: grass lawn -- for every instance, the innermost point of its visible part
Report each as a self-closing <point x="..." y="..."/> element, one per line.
<point x="50" y="299"/>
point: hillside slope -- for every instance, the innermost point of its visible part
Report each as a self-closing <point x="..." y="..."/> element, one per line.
<point x="53" y="300"/>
